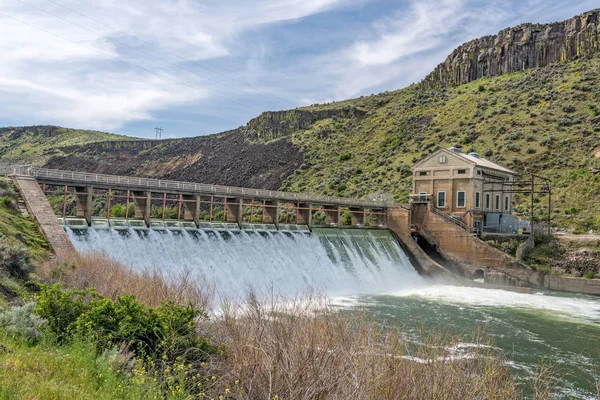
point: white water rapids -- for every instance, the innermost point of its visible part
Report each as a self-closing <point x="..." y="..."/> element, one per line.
<point x="337" y="262"/>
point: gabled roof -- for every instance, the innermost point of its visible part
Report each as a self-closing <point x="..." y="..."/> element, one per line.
<point x="481" y="162"/>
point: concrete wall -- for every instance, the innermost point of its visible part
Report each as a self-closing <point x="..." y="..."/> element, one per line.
<point x="573" y="285"/>
<point x="38" y="206"/>
<point x="398" y="221"/>
<point x="472" y="254"/>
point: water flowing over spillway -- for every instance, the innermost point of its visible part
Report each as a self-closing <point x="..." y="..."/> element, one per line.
<point x="336" y="261"/>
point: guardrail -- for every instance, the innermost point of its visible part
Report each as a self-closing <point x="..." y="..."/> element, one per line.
<point x="450" y="219"/>
<point x="189" y="187"/>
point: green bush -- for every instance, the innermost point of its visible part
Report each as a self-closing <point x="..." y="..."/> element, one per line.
<point x="118" y="210"/>
<point x="15" y="261"/>
<point x="166" y="332"/>
<point x="345" y="156"/>
<point x="61" y="308"/>
<point x="346" y="218"/>
<point x="589" y="275"/>
<point x="21" y="323"/>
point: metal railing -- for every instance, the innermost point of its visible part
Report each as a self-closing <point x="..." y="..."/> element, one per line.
<point x="451" y="219"/>
<point x="55" y="175"/>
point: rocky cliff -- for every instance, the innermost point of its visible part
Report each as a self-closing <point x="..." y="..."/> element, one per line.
<point x="522" y="47"/>
<point x="273" y="125"/>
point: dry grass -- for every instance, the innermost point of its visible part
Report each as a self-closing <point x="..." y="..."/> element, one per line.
<point x="302" y="349"/>
<point x="111" y="279"/>
<point x="288" y="350"/>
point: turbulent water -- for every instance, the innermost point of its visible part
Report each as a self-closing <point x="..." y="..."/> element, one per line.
<point x="334" y="261"/>
<point x="368" y="270"/>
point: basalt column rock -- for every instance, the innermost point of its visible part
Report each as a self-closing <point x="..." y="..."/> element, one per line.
<point x="522" y="47"/>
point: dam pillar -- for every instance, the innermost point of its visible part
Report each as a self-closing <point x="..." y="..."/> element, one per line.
<point x="233" y="209"/>
<point x="358" y="216"/>
<point x="83" y="203"/>
<point x="143" y="205"/>
<point x="270" y="212"/>
<point x="378" y="217"/>
<point x="332" y="215"/>
<point x="304" y="214"/>
<point x="191" y="208"/>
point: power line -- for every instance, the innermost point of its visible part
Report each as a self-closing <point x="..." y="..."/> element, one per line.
<point x="172" y="54"/>
<point x="128" y="62"/>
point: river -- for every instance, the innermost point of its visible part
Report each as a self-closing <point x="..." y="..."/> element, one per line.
<point x="367" y="270"/>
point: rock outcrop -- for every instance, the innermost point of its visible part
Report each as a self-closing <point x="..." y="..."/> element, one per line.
<point x="522" y="47"/>
<point x="275" y="124"/>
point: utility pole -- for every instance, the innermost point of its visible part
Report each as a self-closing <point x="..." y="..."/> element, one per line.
<point x="158" y="132"/>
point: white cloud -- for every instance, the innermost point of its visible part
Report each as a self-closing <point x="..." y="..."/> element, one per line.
<point x="89" y="83"/>
<point x="47" y="80"/>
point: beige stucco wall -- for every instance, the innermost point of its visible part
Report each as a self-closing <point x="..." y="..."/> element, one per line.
<point x="444" y="177"/>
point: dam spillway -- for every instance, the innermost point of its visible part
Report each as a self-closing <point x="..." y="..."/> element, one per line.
<point x="335" y="261"/>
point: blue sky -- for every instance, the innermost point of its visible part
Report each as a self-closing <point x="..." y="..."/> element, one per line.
<point x="199" y="67"/>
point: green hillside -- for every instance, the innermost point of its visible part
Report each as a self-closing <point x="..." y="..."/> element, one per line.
<point x="36" y="144"/>
<point x="542" y="120"/>
<point x="545" y="121"/>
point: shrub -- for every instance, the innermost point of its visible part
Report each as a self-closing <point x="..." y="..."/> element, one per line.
<point x="346" y="218"/>
<point x="481" y="88"/>
<point x="15" y="261"/>
<point x="22" y="324"/>
<point x="589" y="275"/>
<point x="61" y="308"/>
<point x="569" y="108"/>
<point x="345" y="156"/>
<point x="165" y="332"/>
<point x="530" y="150"/>
<point x="513" y="147"/>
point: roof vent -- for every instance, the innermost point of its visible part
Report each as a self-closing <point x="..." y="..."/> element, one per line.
<point x="474" y="155"/>
<point x="454" y="150"/>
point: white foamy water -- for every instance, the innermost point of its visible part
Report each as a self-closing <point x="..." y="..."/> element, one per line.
<point x="337" y="263"/>
<point x="572" y="306"/>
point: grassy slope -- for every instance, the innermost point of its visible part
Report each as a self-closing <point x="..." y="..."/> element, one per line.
<point x="37" y="144"/>
<point x="541" y="120"/>
<point x="62" y="372"/>
<point x="17" y="229"/>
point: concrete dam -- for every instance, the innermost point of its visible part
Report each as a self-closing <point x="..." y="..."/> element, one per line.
<point x="204" y="214"/>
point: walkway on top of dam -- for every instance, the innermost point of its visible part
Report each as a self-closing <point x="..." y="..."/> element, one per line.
<point x="103" y="181"/>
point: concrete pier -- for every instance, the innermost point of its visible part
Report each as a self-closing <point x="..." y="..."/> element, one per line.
<point x="83" y="202"/>
<point x="332" y="215"/>
<point x="358" y="216"/>
<point x="304" y="214"/>
<point x="143" y="205"/>
<point x="270" y="212"/>
<point x="191" y="208"/>
<point x="233" y="209"/>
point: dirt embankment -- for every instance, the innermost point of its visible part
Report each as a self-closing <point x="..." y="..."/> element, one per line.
<point x="225" y="159"/>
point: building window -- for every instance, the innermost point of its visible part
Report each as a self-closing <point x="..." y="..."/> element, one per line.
<point x="487" y="201"/>
<point x="506" y="204"/>
<point x="423" y="173"/>
<point x="461" y="171"/>
<point x="477" y="200"/>
<point x="460" y="199"/>
<point x="442" y="159"/>
<point x="497" y="202"/>
<point x="478" y="172"/>
<point x="441" y="200"/>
